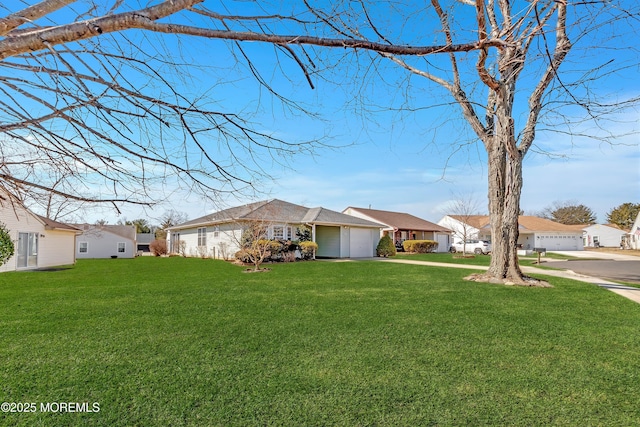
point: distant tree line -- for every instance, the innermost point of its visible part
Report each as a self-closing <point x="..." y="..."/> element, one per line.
<point x="574" y="213"/>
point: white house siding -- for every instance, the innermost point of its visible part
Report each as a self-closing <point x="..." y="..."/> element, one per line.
<point x="190" y="238"/>
<point x="606" y="236"/>
<point x="458" y="228"/>
<point x="222" y="241"/>
<point x="633" y="237"/>
<point x="102" y="243"/>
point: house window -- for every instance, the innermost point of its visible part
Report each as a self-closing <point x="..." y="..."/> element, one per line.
<point x="202" y="236"/>
<point x="289" y="233"/>
<point x="216" y="232"/>
<point x="278" y="232"/>
<point x="83" y="247"/>
<point x="121" y="247"/>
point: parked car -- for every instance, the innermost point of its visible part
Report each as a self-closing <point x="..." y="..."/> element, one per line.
<point x="476" y="246"/>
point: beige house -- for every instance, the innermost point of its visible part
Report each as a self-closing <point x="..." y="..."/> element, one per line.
<point x="403" y="226"/>
<point x="39" y="242"/>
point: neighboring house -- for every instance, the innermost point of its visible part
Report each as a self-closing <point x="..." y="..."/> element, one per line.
<point x="39" y="242"/>
<point x="632" y="239"/>
<point x="218" y="234"/>
<point x="600" y="235"/>
<point x="403" y="226"/>
<point x="143" y="241"/>
<point x="106" y="241"/>
<point x="464" y="226"/>
<point x="534" y="232"/>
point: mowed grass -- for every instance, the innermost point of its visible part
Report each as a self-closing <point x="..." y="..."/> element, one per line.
<point x="173" y="341"/>
<point x="480" y="260"/>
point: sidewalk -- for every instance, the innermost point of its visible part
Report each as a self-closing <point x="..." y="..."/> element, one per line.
<point x="626" y="291"/>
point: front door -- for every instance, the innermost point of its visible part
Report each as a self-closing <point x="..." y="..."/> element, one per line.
<point x="27" y="250"/>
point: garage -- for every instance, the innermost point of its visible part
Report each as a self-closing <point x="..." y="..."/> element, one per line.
<point x="345" y="241"/>
<point x="328" y="240"/>
<point x="361" y="243"/>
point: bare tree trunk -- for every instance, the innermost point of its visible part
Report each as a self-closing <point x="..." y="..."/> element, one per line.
<point x="505" y="186"/>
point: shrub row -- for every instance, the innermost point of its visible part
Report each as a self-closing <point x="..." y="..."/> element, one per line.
<point x="420" y="246"/>
<point x="277" y="250"/>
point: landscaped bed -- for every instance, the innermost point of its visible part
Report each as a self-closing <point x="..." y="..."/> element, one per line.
<point x="175" y="341"/>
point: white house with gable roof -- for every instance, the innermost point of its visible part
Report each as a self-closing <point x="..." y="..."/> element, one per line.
<point x="218" y="234"/>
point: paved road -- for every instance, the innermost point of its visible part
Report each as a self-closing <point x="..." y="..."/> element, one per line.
<point x="626" y="271"/>
<point x="618" y="256"/>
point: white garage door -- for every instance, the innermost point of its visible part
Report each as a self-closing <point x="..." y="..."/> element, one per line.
<point x="443" y="242"/>
<point x="360" y="243"/>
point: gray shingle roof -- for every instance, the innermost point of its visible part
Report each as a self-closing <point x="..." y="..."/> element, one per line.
<point x="126" y="231"/>
<point x="277" y="210"/>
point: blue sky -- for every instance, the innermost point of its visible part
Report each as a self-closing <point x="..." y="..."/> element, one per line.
<point x="417" y="161"/>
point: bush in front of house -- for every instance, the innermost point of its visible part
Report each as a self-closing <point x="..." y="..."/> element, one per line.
<point x="275" y="251"/>
<point x="7" y="248"/>
<point x="308" y="249"/>
<point x="420" y="246"/>
<point x="385" y="247"/>
<point x="158" y="247"/>
<point x="244" y="256"/>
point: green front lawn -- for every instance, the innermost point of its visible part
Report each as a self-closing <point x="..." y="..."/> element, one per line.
<point x="176" y="341"/>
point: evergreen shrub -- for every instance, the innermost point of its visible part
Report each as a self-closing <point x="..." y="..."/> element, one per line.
<point x="385" y="247"/>
<point x="7" y="248"/>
